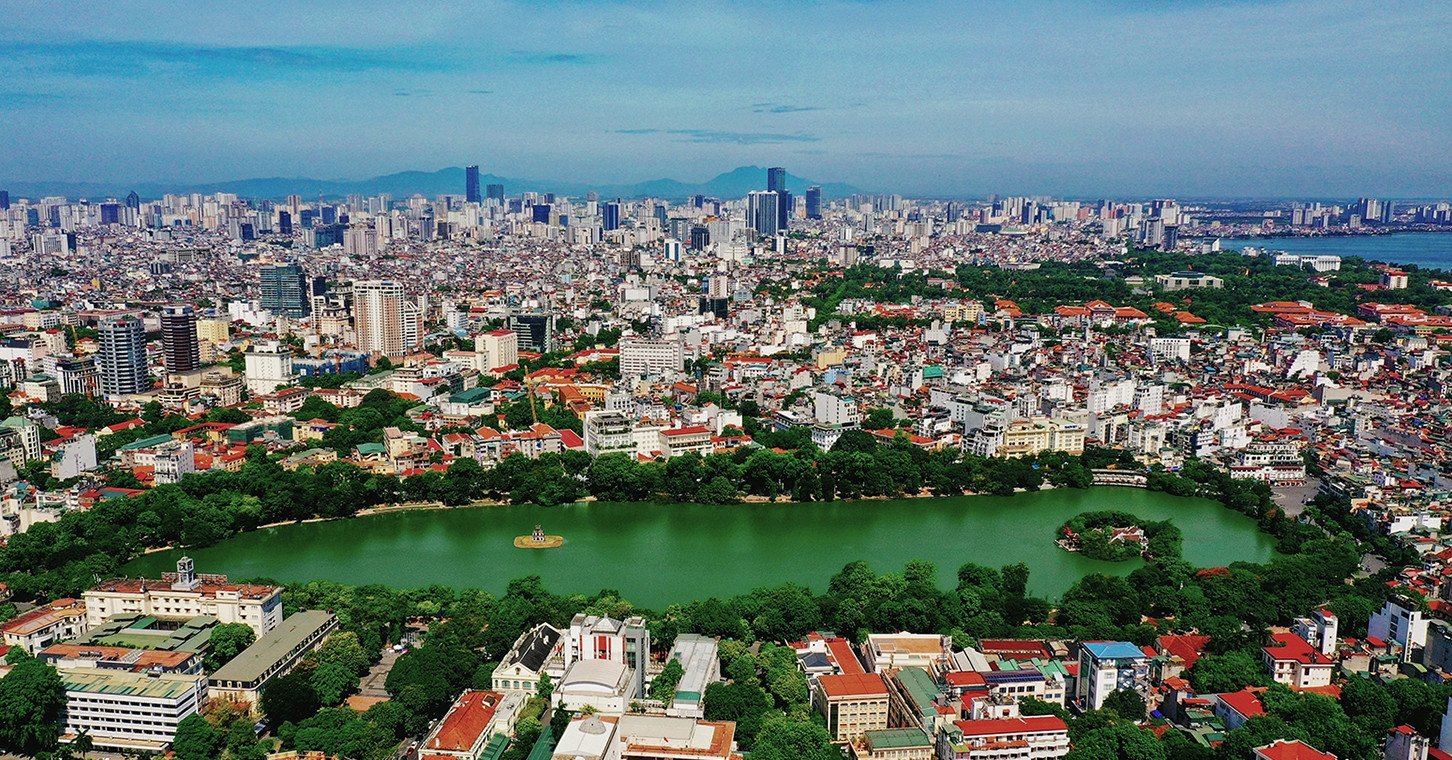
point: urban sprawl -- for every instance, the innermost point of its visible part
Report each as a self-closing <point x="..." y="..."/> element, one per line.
<point x="179" y="370"/>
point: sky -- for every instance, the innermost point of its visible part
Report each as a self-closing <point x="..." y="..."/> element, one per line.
<point x="1245" y="98"/>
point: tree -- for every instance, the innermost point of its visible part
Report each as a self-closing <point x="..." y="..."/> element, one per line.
<point x="1232" y="671"/>
<point x="544" y="689"/>
<point x="663" y="688"/>
<point x="196" y="739"/>
<point x="31" y="699"/>
<point x="1118" y="740"/>
<point x="743" y="702"/>
<point x="332" y="681"/>
<point x="227" y="641"/>
<point x="290" y="698"/>
<point x="1127" y="702"/>
<point x="782" y="738"/>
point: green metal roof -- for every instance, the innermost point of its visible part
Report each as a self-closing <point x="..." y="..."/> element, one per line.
<point x="495" y="748"/>
<point x="897" y="738"/>
<point x="146" y="443"/>
<point x="921" y="686"/>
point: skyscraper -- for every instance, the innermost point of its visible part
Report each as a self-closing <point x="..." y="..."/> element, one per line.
<point x="776" y="183"/>
<point x="610" y="216"/>
<point x="285" y="290"/>
<point x="761" y="212"/>
<point x="284" y="223"/>
<point x="179" y="345"/>
<point x="122" y="357"/>
<point x="776" y="179"/>
<point x="4" y="200"/>
<point x="385" y="321"/>
<point x="496" y="192"/>
<point x="133" y="201"/>
<point x="110" y="213"/>
<point x="814" y="202"/>
<point x="471" y="184"/>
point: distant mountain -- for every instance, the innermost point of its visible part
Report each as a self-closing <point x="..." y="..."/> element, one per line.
<point x="733" y="184"/>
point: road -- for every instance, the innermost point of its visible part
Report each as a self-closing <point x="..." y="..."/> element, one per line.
<point x="372" y="682"/>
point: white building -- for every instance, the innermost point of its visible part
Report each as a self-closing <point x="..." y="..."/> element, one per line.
<point x="1106" y="667"/>
<point x="268" y="364"/>
<point x="1035" y="737"/>
<point x="649" y="356"/>
<point x="173" y="461"/>
<point x="1404" y="626"/>
<point x="608" y="431"/>
<point x="498" y="348"/>
<point x="1170" y="349"/>
<point x="834" y="410"/>
<point x="184" y="594"/>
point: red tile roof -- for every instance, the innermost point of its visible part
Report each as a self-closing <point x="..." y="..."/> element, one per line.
<point x="466" y="720"/>
<point x="853" y="685"/>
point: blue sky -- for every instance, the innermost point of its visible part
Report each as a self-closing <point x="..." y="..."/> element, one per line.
<point x="1244" y="98"/>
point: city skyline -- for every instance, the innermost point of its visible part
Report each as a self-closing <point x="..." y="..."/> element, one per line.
<point x="1203" y="99"/>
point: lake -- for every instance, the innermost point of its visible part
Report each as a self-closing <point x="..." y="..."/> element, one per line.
<point x="658" y="554"/>
<point x="1430" y="250"/>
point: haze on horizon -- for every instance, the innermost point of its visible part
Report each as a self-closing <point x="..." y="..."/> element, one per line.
<point x="1195" y="98"/>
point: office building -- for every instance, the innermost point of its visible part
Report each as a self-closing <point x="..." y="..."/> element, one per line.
<point x="471" y="184"/>
<point x="180" y="346"/>
<point x="4" y="200"/>
<point x="1106" y="667"/>
<point x="646" y="356"/>
<point x="183" y="595"/>
<point x="123" y="357"/>
<point x="776" y="179"/>
<point x="762" y="211"/>
<point x="610" y="216"/>
<point x="853" y="704"/>
<point x="535" y="330"/>
<point x="285" y="290"/>
<point x="495" y="192"/>
<point x="385" y="322"/>
<point x="814" y="202"/>
<point x="129" y="711"/>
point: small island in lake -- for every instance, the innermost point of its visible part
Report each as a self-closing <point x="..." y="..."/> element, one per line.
<point x="538" y="540"/>
<point x="1118" y="536"/>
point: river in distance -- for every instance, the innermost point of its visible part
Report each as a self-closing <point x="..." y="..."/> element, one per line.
<point x="658" y="554"/>
<point x="1429" y="250"/>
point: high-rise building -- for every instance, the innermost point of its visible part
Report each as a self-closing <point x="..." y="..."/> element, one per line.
<point x="776" y="179"/>
<point x="785" y="207"/>
<point x="123" y="357"/>
<point x="814" y="202"/>
<point x="499" y="347"/>
<point x="133" y="201"/>
<point x="385" y="321"/>
<point x="285" y="290"/>
<point x="536" y="330"/>
<point x="471" y="184"/>
<point x="284" y="223"/>
<point x="4" y="200"/>
<point x="761" y="212"/>
<point x="610" y="216"/>
<point x="180" y="346"/>
<point x="496" y="192"/>
<point x="110" y="213"/>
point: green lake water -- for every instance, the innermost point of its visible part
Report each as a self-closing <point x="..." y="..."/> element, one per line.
<point x="657" y="554"/>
